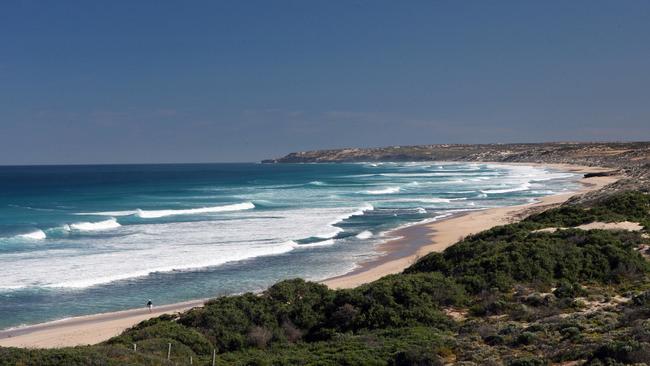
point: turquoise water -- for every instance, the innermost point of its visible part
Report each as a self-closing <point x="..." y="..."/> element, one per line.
<point x="85" y="239"/>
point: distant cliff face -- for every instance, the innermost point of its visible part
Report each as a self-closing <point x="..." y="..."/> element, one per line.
<point x="632" y="158"/>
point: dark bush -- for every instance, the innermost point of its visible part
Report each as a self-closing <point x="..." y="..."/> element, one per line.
<point x="566" y="289"/>
<point x="499" y="258"/>
<point x="259" y="337"/>
<point x="165" y="329"/>
<point x="570" y="333"/>
<point x="622" y="351"/>
<point x="416" y="357"/>
<point x="525" y="338"/>
<point x="528" y="361"/>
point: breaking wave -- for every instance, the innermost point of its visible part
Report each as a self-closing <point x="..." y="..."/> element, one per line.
<point x="425" y="200"/>
<point x="34" y="235"/>
<point x="389" y="190"/>
<point x="193" y="211"/>
<point x="152" y="214"/>
<point x="434" y="200"/>
<point x="95" y="226"/>
<point x="334" y="230"/>
<point x="522" y="187"/>
<point x="322" y="243"/>
<point x="364" y="235"/>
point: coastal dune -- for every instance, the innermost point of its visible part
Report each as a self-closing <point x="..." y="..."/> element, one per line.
<point x="411" y="243"/>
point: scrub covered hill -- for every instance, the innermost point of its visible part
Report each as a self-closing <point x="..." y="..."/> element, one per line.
<point x="631" y="158"/>
<point x="514" y="295"/>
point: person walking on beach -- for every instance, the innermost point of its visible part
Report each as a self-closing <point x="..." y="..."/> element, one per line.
<point x="150" y="305"/>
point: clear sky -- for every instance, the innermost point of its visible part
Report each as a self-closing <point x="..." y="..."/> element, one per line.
<point x="191" y="81"/>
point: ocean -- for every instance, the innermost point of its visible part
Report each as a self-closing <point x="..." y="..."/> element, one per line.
<point x="78" y="240"/>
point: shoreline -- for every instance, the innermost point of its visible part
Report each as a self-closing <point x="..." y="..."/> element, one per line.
<point x="439" y="235"/>
<point x="408" y="244"/>
<point x="86" y="329"/>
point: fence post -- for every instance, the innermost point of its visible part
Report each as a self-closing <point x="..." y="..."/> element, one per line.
<point x="169" y="351"/>
<point x="190" y="360"/>
<point x="214" y="355"/>
<point x="135" y="347"/>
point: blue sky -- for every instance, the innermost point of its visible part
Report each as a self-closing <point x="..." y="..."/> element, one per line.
<point x="161" y="81"/>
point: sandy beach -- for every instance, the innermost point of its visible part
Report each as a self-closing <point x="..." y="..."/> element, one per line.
<point x="416" y="241"/>
<point x="85" y="330"/>
<point x="411" y="243"/>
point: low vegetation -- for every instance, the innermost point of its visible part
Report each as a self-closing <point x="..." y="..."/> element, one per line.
<point x="509" y="295"/>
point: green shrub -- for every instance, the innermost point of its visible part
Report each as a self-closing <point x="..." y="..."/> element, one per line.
<point x="622" y="351"/>
<point x="165" y="330"/>
<point x="572" y="333"/>
<point x="503" y="256"/>
<point x="566" y="289"/>
<point x="525" y="338"/>
<point x="416" y="357"/>
<point x="527" y="361"/>
<point x="630" y="206"/>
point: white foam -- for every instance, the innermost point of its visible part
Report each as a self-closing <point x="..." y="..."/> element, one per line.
<point x="193" y="211"/>
<point x="167" y="265"/>
<point x="364" y="235"/>
<point x="434" y="200"/>
<point x="323" y="243"/>
<point x="108" y="213"/>
<point x="334" y="230"/>
<point x="424" y="221"/>
<point x="34" y="235"/>
<point x="17" y="287"/>
<point x="152" y="214"/>
<point x="329" y="234"/>
<point x="95" y="226"/>
<point x="262" y="250"/>
<point x="548" y="191"/>
<point x="522" y="187"/>
<point x="435" y="174"/>
<point x="147" y="248"/>
<point x="317" y="183"/>
<point x="422" y="200"/>
<point x="360" y="211"/>
<point x="388" y="190"/>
